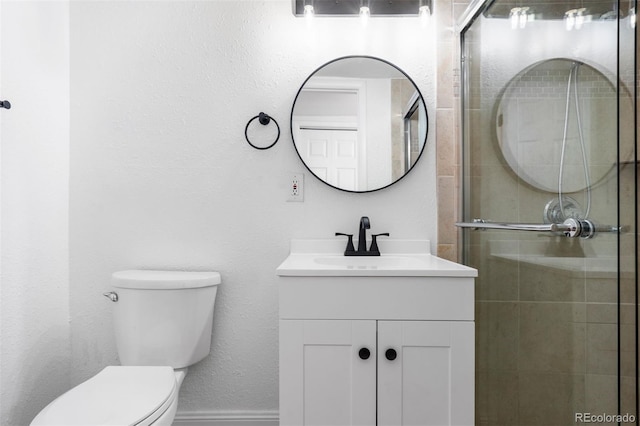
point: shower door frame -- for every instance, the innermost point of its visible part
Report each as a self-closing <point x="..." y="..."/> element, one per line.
<point x="464" y="23"/>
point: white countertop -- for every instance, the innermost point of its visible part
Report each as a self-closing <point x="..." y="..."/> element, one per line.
<point x="399" y="258"/>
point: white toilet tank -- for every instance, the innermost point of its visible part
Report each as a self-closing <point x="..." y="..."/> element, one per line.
<point x="164" y="317"/>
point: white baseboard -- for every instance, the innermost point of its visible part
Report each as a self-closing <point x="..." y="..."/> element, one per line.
<point x="226" y="418"/>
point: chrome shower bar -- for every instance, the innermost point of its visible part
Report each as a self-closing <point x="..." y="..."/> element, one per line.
<point x="571" y="228"/>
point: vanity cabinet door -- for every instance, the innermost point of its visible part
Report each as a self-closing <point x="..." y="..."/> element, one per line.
<point x="430" y="381"/>
<point x="327" y="372"/>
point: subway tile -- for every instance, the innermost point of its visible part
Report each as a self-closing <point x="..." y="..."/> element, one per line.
<point x="445" y="142"/>
<point x="447" y="251"/>
<point x="444" y="20"/>
<point x="446" y="226"/>
<point x="444" y="95"/>
<point x="550" y="399"/>
<point x="549" y="338"/>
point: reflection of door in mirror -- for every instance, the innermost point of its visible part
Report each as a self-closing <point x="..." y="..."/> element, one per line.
<point x="372" y="108"/>
<point x="414" y="122"/>
<point x="332" y="154"/>
<point x="330" y="135"/>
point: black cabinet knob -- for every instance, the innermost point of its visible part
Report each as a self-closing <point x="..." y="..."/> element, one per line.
<point x="364" y="353"/>
<point x="391" y="354"/>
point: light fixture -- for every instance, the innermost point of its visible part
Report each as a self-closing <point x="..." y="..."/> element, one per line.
<point x="386" y="8"/>
<point x="524" y="16"/>
<point x="424" y="11"/>
<point x="580" y="17"/>
<point x="514" y="17"/>
<point x="519" y="17"/>
<point x="575" y="18"/>
<point x="570" y="19"/>
<point x="308" y="9"/>
<point x="365" y="12"/>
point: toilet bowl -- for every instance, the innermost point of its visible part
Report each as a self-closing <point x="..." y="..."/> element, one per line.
<point x="162" y="322"/>
<point x="118" y="396"/>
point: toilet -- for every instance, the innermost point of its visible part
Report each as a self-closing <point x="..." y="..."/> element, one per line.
<point x="162" y="322"/>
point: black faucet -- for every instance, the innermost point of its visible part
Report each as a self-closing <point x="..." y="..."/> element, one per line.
<point x="362" y="236"/>
<point x="362" y="241"/>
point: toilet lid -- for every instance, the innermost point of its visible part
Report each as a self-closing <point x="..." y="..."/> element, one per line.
<point x="117" y="396"/>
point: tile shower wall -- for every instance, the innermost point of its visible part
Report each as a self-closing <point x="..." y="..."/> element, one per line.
<point x="161" y="176"/>
<point x="447" y="126"/>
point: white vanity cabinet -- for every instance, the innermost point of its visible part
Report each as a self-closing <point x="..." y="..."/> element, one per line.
<point x="365" y="342"/>
<point x="323" y="381"/>
<point x="425" y="379"/>
<point x="431" y="382"/>
<point x="386" y="341"/>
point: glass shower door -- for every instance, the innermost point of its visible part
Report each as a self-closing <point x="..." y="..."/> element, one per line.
<point x="549" y="184"/>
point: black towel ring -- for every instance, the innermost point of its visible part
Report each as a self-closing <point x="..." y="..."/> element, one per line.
<point x="264" y="119"/>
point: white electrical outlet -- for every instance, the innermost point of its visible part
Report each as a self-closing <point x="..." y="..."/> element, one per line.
<point x="296" y="187"/>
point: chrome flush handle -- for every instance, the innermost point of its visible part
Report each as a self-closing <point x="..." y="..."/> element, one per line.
<point x="112" y="295"/>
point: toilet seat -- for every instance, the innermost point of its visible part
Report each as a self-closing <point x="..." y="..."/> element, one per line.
<point x="117" y="396"/>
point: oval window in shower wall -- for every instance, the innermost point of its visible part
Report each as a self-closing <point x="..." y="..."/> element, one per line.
<point x="555" y="123"/>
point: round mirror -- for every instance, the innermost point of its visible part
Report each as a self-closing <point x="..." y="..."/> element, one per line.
<point x="359" y="123"/>
<point x="555" y="124"/>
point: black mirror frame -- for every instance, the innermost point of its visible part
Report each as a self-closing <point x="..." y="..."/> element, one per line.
<point x="408" y="78"/>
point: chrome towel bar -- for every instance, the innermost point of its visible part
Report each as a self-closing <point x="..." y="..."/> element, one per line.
<point x="569" y="228"/>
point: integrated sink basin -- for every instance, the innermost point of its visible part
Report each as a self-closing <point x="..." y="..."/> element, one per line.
<point x="408" y="258"/>
<point x="377" y="262"/>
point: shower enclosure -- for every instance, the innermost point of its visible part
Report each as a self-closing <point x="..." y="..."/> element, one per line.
<point x="549" y="126"/>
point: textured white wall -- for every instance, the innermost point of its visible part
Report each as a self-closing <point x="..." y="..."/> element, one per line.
<point x="161" y="176"/>
<point x="34" y="314"/>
